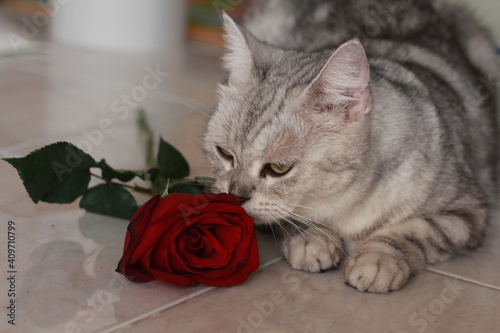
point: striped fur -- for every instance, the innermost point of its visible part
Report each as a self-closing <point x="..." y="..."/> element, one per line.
<point x="392" y="135"/>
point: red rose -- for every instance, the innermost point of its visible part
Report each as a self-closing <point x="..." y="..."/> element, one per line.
<point x="188" y="239"/>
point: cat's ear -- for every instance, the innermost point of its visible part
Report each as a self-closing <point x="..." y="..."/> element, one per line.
<point x="238" y="59"/>
<point x="343" y="85"/>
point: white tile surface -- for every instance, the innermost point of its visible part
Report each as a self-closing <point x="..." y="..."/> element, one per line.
<point x="283" y="300"/>
<point x="66" y="260"/>
<point x="66" y="257"/>
<point x="481" y="266"/>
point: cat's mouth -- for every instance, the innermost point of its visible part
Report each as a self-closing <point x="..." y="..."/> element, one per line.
<point x="261" y="213"/>
<point x="284" y="220"/>
<point x="267" y="213"/>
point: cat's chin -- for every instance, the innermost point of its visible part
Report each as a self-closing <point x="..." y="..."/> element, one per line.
<point x="261" y="221"/>
<point x="265" y="213"/>
<point x="261" y="218"/>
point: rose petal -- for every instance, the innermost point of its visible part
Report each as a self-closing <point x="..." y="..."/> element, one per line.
<point x="221" y="228"/>
<point x="218" y="258"/>
<point x="229" y="236"/>
<point x="175" y="207"/>
<point x="196" y="243"/>
<point x="133" y="238"/>
<point x="185" y="239"/>
<point x="176" y="262"/>
<point x="237" y="276"/>
<point x="218" y="208"/>
<point x="161" y="256"/>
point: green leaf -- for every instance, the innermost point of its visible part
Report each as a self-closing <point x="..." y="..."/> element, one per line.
<point x="110" y="173"/>
<point x="191" y="188"/>
<point x="207" y="180"/>
<point x="196" y="186"/>
<point x="126" y="175"/>
<point x="171" y="162"/>
<point x="146" y="135"/>
<point x="57" y="173"/>
<point x="153" y="174"/>
<point x="144" y="175"/>
<point x="109" y="199"/>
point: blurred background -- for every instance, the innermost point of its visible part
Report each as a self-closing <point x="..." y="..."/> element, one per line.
<point x="139" y="25"/>
<point x="132" y="26"/>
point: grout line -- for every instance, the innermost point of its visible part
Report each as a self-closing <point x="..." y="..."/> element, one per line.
<point x="178" y="302"/>
<point x="157" y="310"/>
<point x="269" y="263"/>
<point x="462" y="278"/>
<point x="203" y="291"/>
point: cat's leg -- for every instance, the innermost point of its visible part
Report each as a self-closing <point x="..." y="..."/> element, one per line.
<point x="387" y="259"/>
<point x="313" y="249"/>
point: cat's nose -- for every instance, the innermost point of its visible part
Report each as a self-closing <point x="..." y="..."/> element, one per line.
<point x="241" y="200"/>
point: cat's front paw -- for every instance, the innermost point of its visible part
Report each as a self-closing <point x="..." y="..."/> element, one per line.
<point x="313" y="251"/>
<point x="376" y="272"/>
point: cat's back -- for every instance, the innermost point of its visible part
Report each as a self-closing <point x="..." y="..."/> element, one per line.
<point x="313" y="25"/>
<point x="322" y="24"/>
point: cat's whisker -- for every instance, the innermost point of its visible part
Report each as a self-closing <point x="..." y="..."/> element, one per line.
<point x="301" y="206"/>
<point x="317" y="238"/>
<point x="305" y="231"/>
<point x="194" y="108"/>
<point x="301" y="219"/>
<point x="310" y="221"/>
<point x="272" y="230"/>
<point x="324" y="225"/>
<point x="277" y="220"/>
<point x="297" y="227"/>
<point x="313" y="225"/>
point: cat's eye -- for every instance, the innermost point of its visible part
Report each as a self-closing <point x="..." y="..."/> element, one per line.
<point x="224" y="153"/>
<point x="280" y="168"/>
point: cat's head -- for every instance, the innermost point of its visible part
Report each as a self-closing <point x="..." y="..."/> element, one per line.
<point x="290" y="127"/>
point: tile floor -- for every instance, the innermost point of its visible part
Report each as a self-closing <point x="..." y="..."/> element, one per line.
<point x="66" y="257"/>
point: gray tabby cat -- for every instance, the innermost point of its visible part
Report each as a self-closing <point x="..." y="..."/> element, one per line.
<point x="360" y="125"/>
